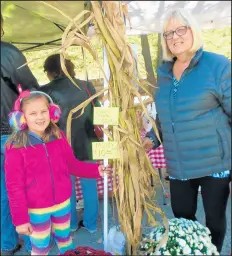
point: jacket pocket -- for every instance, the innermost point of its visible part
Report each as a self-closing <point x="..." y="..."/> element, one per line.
<point x="33" y="182"/>
<point x="220" y="144"/>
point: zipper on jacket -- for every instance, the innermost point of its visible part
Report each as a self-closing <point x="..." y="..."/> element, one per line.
<point x="220" y="144"/>
<point x="52" y="178"/>
<point x="33" y="182"/>
<point x="171" y="99"/>
<point x="173" y="129"/>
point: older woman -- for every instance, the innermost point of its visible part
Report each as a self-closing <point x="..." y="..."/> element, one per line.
<point x="193" y="104"/>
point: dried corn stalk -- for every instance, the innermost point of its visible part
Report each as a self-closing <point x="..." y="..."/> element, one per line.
<point x="133" y="193"/>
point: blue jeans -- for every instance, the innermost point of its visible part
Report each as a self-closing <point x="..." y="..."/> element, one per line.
<point x="9" y="236"/>
<point x="90" y="196"/>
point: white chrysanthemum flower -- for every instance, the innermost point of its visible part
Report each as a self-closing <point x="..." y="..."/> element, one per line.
<point x="166" y="253"/>
<point x="171" y="228"/>
<point x="208" y="231"/>
<point x="200" y="246"/>
<point x="186" y="250"/>
<point x="170" y="234"/>
<point x="187" y="234"/>
<point x="158" y="237"/>
<point x="197" y="252"/>
<point x="181" y="232"/>
<point x="182" y="242"/>
<point x="205" y="241"/>
<point x="209" y="251"/>
<point x="199" y="226"/>
<point x="217" y="253"/>
<point x="195" y="237"/>
<point x="190" y="229"/>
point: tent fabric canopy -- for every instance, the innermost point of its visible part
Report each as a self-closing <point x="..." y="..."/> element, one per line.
<point x="31" y="23"/>
<point x="147" y="16"/>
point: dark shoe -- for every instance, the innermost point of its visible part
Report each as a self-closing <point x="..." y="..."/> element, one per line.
<point x="167" y="178"/>
<point x="11" y="252"/>
<point x="81" y="225"/>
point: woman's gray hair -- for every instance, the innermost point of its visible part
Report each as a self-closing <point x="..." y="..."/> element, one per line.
<point x="187" y="19"/>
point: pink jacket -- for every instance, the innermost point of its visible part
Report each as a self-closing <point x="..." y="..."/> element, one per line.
<point x="38" y="176"/>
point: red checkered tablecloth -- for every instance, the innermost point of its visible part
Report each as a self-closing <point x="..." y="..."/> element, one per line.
<point x="157" y="157"/>
<point x="158" y="161"/>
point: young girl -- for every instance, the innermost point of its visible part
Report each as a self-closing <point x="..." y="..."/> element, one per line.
<point x="38" y="164"/>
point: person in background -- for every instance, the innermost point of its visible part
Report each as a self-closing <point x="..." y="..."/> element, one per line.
<point x="193" y="103"/>
<point x="11" y="76"/>
<point x="68" y="96"/>
<point x="39" y="161"/>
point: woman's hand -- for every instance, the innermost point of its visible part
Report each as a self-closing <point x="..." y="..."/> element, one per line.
<point x="147" y="144"/>
<point x="25" y="229"/>
<point x="102" y="170"/>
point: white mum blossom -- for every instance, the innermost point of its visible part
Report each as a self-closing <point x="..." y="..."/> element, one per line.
<point x="166" y="253"/>
<point x="209" y="252"/>
<point x="200" y="246"/>
<point x="208" y="231"/>
<point x="204" y="240"/>
<point x="195" y="237"/>
<point x="170" y="234"/>
<point x="188" y="234"/>
<point x="181" y="233"/>
<point x="197" y="252"/>
<point x="182" y="242"/>
<point x="171" y="228"/>
<point x="190" y="230"/>
<point x="186" y="250"/>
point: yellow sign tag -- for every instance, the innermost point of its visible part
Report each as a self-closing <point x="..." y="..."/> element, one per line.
<point x="105" y="150"/>
<point x="106" y="115"/>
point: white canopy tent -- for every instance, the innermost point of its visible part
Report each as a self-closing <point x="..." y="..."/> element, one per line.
<point x="33" y="25"/>
<point x="146" y="16"/>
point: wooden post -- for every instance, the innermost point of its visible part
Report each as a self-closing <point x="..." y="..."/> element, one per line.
<point x="159" y="53"/>
<point x="148" y="63"/>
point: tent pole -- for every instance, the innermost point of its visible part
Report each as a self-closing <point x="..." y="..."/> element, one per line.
<point x="41" y="44"/>
<point x="106" y="103"/>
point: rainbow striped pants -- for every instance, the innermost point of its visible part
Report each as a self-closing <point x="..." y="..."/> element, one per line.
<point x="52" y="221"/>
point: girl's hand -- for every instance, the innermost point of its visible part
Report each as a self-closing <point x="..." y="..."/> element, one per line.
<point x="102" y="170"/>
<point x="25" y="229"/>
<point x="147" y="144"/>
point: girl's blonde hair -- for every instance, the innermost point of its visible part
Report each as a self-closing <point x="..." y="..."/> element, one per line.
<point x="19" y="139"/>
<point x="187" y="19"/>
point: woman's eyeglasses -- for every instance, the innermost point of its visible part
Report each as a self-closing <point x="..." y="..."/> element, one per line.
<point x="180" y="31"/>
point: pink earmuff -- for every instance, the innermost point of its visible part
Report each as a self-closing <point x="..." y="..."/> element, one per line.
<point x="17" y="120"/>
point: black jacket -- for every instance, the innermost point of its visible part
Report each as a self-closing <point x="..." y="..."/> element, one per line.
<point x="11" y="59"/>
<point x="65" y="94"/>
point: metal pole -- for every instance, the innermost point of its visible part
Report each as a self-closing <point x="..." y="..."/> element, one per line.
<point x="106" y="104"/>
